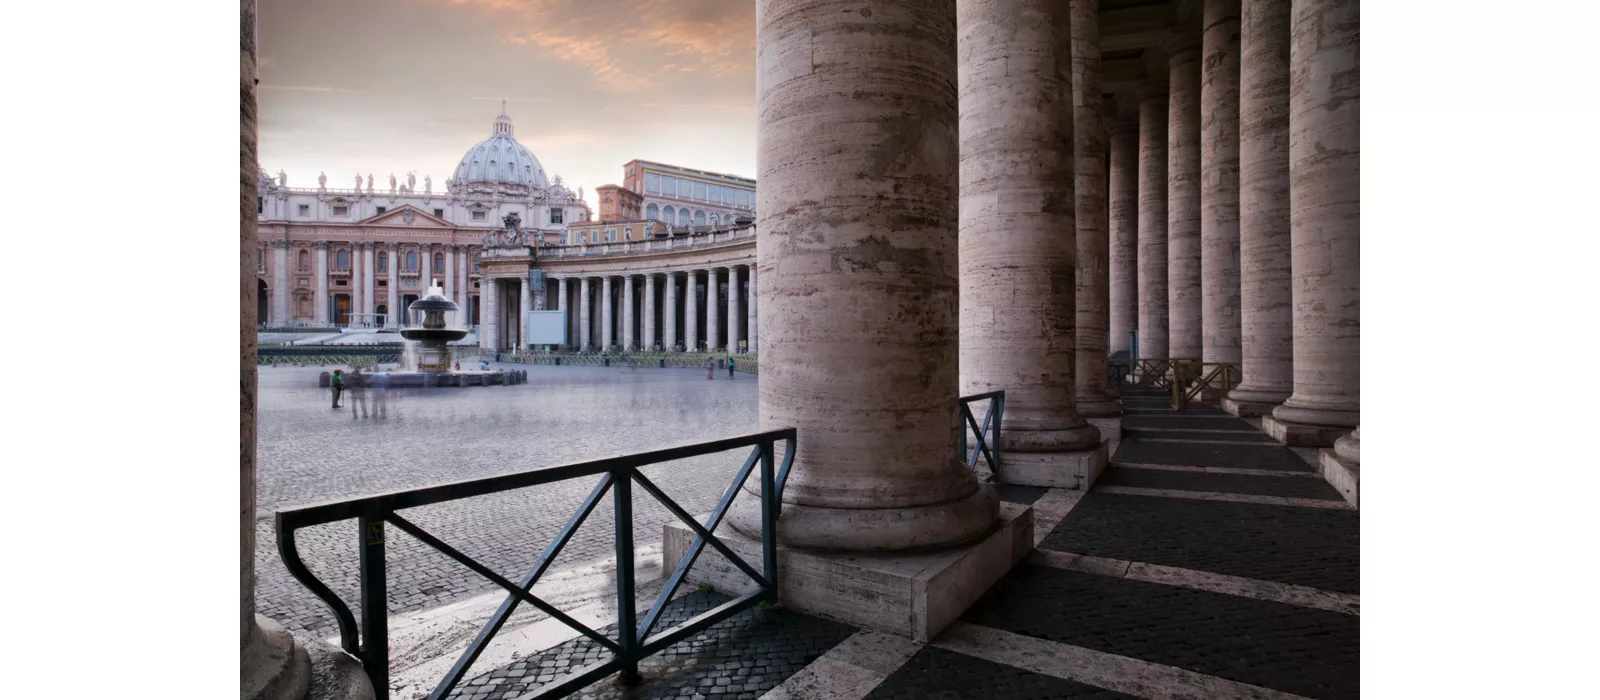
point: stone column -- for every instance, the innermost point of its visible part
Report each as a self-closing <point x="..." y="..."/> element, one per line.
<point x="1219" y="183"/>
<point x="691" y="312"/>
<point x="857" y="152"/>
<point x="585" y="329"/>
<point x="280" y="282"/>
<point x="526" y="305"/>
<point x="1124" y="293"/>
<point x="321" y="283"/>
<point x="566" y="310"/>
<point x="450" y="272"/>
<point x="733" y="308"/>
<point x="649" y="312"/>
<point x="394" y="317"/>
<point x="670" y="318"/>
<point x="1183" y="198"/>
<point x="1324" y="223"/>
<point x="365" y="268"/>
<point x="1018" y="242"/>
<point x="627" y="313"/>
<point x="1266" y="320"/>
<point x="607" y="326"/>
<point x="750" y="312"/>
<point x="489" y="315"/>
<point x="1093" y="255"/>
<point x="426" y="253"/>
<point x="1153" y="222"/>
<point x="712" y="336"/>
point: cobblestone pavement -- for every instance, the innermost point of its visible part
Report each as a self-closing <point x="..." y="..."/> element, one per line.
<point x="310" y="453"/>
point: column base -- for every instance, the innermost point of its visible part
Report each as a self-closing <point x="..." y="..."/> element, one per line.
<point x="1098" y="406"/>
<point x="1302" y="434"/>
<point x="912" y="595"/>
<point x="273" y="666"/>
<point x="1247" y="409"/>
<point x="1341" y="474"/>
<point x="1067" y="470"/>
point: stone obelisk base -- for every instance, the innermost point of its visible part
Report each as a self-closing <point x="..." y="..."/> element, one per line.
<point x="913" y="595"/>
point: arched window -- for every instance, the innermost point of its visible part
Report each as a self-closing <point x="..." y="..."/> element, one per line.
<point x="438" y="261"/>
<point x="411" y="260"/>
<point x="669" y="214"/>
<point x="683" y="217"/>
<point x="304" y="260"/>
<point x="699" y="218"/>
<point x="341" y="260"/>
<point x="383" y="263"/>
<point x="652" y="211"/>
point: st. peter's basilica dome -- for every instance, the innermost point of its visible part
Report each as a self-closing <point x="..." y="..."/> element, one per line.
<point x="500" y="161"/>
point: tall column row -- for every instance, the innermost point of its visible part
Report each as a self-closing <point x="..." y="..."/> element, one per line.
<point x="636" y="316"/>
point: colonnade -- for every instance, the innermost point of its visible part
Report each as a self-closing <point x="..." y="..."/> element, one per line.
<point x="710" y="309"/>
<point x="362" y="289"/>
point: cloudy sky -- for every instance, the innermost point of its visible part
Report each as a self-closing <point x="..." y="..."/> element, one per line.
<point x="381" y="86"/>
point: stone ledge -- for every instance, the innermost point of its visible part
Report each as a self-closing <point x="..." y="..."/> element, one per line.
<point x="1342" y="475"/>
<point x="913" y="595"/>
<point x="1301" y="434"/>
<point x="1247" y="409"/>
<point x="1067" y="470"/>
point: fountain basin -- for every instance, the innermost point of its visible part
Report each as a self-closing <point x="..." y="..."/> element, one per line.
<point x="433" y="334"/>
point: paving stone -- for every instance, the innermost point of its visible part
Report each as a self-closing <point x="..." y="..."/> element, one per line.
<point x="1290" y="486"/>
<point x="1316" y="547"/>
<point x="1184" y="421"/>
<point x="1018" y="493"/>
<point x="1314" y="653"/>
<point x="1192" y="454"/>
<point x="940" y="674"/>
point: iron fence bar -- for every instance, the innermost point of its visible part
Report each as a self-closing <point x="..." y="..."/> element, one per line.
<point x="501" y="581"/>
<point x="374" y="601"/>
<point x="290" y="554"/>
<point x="988" y="418"/>
<point x="999" y="416"/>
<point x="769" y="522"/>
<point x="677" y="510"/>
<point x="503" y="613"/>
<point x="693" y="552"/>
<point x="982" y="443"/>
<point x="789" y="449"/>
<point x="627" y="629"/>
<point x="700" y="622"/>
<point x="961" y="437"/>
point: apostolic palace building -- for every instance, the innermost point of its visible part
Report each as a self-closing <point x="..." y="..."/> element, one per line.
<point x="347" y="257"/>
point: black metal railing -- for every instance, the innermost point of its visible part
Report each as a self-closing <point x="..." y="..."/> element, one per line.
<point x="369" y="641"/>
<point x="985" y="434"/>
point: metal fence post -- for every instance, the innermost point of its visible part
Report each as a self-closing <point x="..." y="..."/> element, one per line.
<point x="627" y="625"/>
<point x="769" y="522"/>
<point x="999" y="415"/>
<point x="374" y="602"/>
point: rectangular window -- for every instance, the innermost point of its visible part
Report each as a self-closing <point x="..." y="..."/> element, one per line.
<point x="305" y="210"/>
<point x="652" y="183"/>
<point x="700" y="191"/>
<point x="439" y="213"/>
<point x="340" y="283"/>
<point x="556" y="215"/>
<point x="261" y="205"/>
<point x="611" y="235"/>
<point x="383" y="283"/>
<point x="341" y="210"/>
<point x="669" y="186"/>
<point x="382" y="209"/>
<point x="627" y="233"/>
<point x="480" y="216"/>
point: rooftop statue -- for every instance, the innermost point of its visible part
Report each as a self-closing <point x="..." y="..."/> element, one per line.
<point x="322" y="180"/>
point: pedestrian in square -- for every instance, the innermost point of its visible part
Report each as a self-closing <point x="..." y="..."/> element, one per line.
<point x="380" y="394"/>
<point x="730" y="368"/>
<point x="358" y="396"/>
<point x="710" y="368"/>
<point x="338" y="386"/>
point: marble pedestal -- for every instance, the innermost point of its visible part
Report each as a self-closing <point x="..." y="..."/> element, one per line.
<point x="913" y="595"/>
<point x="1066" y="470"/>
<point x="1302" y="434"/>
<point x="1343" y="475"/>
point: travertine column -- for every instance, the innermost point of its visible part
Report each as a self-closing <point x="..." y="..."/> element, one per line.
<point x="1219" y="184"/>
<point x="426" y="253"/>
<point x="1266" y="319"/>
<point x="1018" y="246"/>
<point x="1124" y="294"/>
<point x="712" y="336"/>
<point x="1183" y="198"/>
<point x="1325" y="214"/>
<point x="1153" y="222"/>
<point x="321" y="284"/>
<point x="526" y="305"/>
<point x="627" y="313"/>
<point x="750" y="312"/>
<point x="1093" y="257"/>
<point x="649" y="312"/>
<point x="489" y="315"/>
<point x="670" y="319"/>
<point x="395" y="315"/>
<point x="369" y="285"/>
<point x="566" y="311"/>
<point x="733" y="308"/>
<point x="691" y="312"/>
<point x="585" y="329"/>
<point x="280" y="282"/>
<point x="607" y="325"/>
<point x="450" y="272"/>
<point x="857" y="153"/>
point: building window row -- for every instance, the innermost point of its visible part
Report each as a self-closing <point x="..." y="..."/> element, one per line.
<point x="694" y="189"/>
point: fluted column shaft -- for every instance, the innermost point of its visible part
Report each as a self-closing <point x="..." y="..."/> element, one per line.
<point x="670" y="318"/>
<point x="857" y="155"/>
<point x="1153" y="223"/>
<point x="489" y="315"/>
<point x="712" y="312"/>
<point x="649" y="312"/>
<point x="1266" y="318"/>
<point x="585" y="329"/>
<point x="426" y="253"/>
<point x="1325" y="214"/>
<point x="321" y="284"/>
<point x="1093" y="255"/>
<point x="450" y="272"/>
<point x="1018" y="245"/>
<point x="627" y="312"/>
<point x="1183" y="202"/>
<point x="1219" y="185"/>
<point x="1124" y="225"/>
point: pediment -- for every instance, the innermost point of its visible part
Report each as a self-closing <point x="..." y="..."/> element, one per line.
<point x="406" y="215"/>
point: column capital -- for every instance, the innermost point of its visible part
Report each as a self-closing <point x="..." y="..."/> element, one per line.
<point x="281" y="243"/>
<point x="322" y="245"/>
<point x="363" y="245"/>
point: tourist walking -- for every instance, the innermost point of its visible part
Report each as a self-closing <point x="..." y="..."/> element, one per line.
<point x="338" y="386"/>
<point x="710" y="368"/>
<point x="730" y="368"/>
<point x="358" y="396"/>
<point x="380" y="394"/>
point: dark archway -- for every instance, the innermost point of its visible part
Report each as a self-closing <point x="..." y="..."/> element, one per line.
<point x="261" y="301"/>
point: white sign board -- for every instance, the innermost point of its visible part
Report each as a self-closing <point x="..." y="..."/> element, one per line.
<point x="547" y="327"/>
